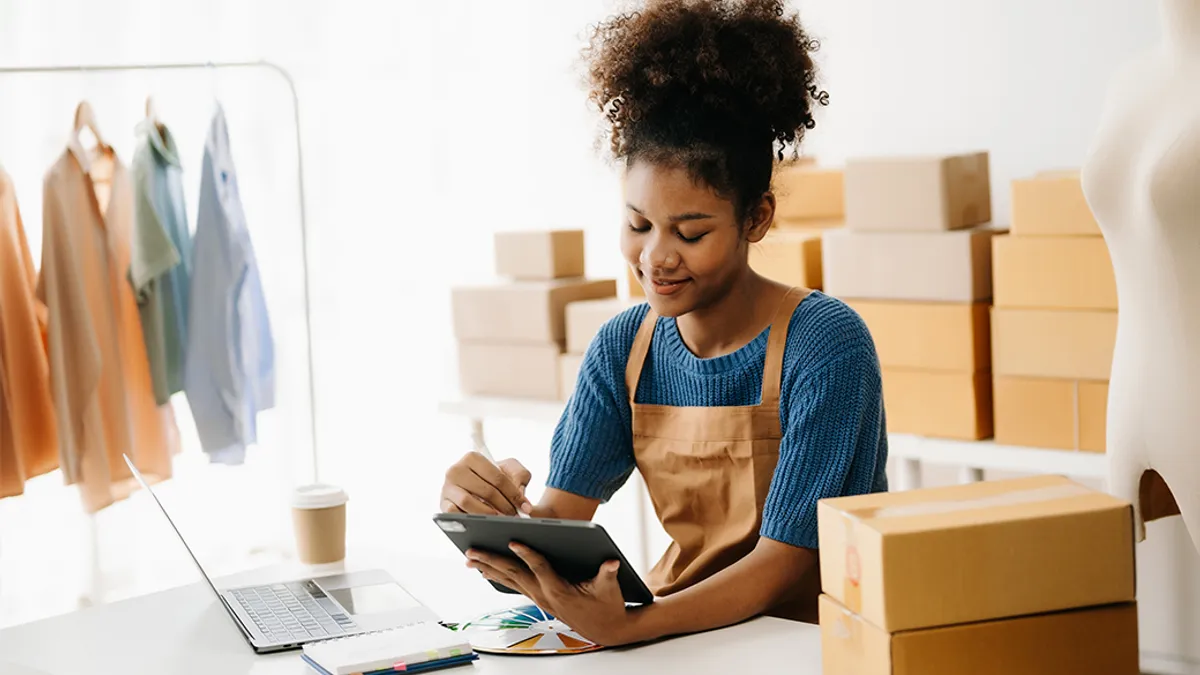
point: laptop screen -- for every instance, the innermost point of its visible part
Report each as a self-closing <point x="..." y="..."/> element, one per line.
<point x="142" y="481"/>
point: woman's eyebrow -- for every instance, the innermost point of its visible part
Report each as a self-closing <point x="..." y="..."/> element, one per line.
<point x="691" y="215"/>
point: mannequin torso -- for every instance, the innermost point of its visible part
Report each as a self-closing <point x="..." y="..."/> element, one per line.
<point x="1142" y="181"/>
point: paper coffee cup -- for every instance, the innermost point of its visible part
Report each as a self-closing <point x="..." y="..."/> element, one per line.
<point x="319" y="516"/>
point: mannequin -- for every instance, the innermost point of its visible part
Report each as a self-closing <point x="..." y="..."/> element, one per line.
<point x="1142" y="181"/>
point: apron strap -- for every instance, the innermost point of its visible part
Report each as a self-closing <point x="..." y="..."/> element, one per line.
<point x="776" y="343"/>
<point x="638" y="352"/>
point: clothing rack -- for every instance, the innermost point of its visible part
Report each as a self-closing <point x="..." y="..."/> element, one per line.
<point x="96" y="591"/>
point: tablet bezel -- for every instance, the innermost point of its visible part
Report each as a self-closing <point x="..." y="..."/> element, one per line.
<point x="492" y="534"/>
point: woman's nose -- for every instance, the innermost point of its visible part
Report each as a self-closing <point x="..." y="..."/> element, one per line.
<point x="659" y="252"/>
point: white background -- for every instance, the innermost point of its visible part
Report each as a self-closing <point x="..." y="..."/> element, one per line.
<point x="427" y="126"/>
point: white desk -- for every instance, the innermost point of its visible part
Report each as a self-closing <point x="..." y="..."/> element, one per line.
<point x="185" y="631"/>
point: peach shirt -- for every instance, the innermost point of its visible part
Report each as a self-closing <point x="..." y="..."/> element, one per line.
<point x="98" y="367"/>
<point x="28" y="438"/>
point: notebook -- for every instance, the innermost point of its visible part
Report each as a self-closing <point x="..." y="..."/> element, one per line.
<point x="416" y="648"/>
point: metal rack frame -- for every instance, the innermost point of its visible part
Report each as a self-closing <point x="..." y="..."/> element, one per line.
<point x="96" y="591"/>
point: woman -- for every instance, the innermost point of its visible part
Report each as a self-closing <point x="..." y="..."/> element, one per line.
<point x="741" y="401"/>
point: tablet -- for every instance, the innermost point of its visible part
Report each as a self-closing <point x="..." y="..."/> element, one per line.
<point x="575" y="548"/>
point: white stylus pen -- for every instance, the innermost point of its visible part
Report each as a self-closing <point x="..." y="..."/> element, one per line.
<point x="481" y="448"/>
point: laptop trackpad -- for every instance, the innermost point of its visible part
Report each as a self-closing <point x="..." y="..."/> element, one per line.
<point x="380" y="598"/>
<point x="374" y="600"/>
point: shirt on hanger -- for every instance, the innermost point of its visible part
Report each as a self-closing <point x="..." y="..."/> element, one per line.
<point x="99" y="373"/>
<point x="28" y="438"/>
<point x="230" y="371"/>
<point x="161" y="264"/>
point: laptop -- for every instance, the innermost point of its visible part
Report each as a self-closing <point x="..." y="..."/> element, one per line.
<point x="287" y="615"/>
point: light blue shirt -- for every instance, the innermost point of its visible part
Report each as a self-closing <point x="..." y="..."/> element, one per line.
<point x="230" y="369"/>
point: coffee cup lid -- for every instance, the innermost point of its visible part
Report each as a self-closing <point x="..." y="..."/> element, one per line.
<point x="318" y="496"/>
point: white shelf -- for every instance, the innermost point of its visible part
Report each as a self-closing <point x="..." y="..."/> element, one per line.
<point x="481" y="408"/>
<point x="972" y="455"/>
<point x="989" y="455"/>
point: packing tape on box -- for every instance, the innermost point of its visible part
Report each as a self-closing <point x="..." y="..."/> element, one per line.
<point x="852" y="578"/>
<point x="848" y="626"/>
<point x="1030" y="496"/>
<point x="1078" y="412"/>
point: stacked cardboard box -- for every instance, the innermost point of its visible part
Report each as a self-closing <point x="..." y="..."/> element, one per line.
<point x="1055" y="319"/>
<point x="584" y="319"/>
<point x="1032" y="576"/>
<point x="915" y="262"/>
<point x="808" y="200"/>
<point x="511" y="334"/>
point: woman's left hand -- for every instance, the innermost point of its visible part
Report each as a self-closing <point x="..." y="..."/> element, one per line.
<point x="595" y="609"/>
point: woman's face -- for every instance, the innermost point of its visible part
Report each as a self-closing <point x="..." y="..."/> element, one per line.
<point x="682" y="239"/>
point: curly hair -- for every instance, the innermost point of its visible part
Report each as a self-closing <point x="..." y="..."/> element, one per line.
<point x="716" y="87"/>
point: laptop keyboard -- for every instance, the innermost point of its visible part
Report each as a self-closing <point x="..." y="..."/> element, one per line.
<point x="295" y="611"/>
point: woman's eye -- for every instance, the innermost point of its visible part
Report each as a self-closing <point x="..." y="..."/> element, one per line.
<point x="635" y="228"/>
<point x="692" y="240"/>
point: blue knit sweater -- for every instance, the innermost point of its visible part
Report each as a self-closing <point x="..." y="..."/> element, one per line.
<point x="831" y="410"/>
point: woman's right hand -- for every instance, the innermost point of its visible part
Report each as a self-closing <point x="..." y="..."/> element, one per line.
<point x="475" y="485"/>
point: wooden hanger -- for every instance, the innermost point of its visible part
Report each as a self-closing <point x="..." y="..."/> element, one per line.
<point x="86" y="119"/>
<point x="152" y="116"/>
<point x="99" y="170"/>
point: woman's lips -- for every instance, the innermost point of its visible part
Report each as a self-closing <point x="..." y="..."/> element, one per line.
<point x="668" y="286"/>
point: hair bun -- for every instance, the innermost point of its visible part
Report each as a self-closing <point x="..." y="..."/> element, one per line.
<point x="705" y="71"/>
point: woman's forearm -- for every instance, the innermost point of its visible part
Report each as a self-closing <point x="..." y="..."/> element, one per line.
<point x="744" y="590"/>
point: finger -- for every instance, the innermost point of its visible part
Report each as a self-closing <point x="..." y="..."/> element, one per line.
<point x="538" y="566"/>
<point x="503" y="563"/>
<point x="517" y="471"/>
<point x="608" y="575"/>
<point x="464" y="476"/>
<point x="501" y="481"/>
<point x="450" y="507"/>
<point x="468" y="502"/>
<point x="474" y="484"/>
<point x="521" y="476"/>
<point x="521" y="581"/>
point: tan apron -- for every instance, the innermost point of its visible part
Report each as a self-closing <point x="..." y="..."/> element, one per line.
<point x="708" y="470"/>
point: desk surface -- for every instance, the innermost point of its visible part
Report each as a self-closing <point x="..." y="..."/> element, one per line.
<point x="185" y="631"/>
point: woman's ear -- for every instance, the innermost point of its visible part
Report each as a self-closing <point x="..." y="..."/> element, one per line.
<point x="760" y="218"/>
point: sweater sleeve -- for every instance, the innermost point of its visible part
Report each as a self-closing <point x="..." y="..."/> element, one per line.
<point x="591" y="453"/>
<point x="833" y="440"/>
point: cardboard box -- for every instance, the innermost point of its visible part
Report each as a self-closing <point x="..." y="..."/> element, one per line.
<point x="520" y="371"/>
<point x="1052" y="273"/>
<point x="939" y="336"/>
<point x="945" y="192"/>
<point x="1069" y="344"/>
<point x="806" y="225"/>
<point x="789" y="257"/>
<point x="540" y="255"/>
<point x="1050" y="413"/>
<point x="939" y="405"/>
<point x="568" y="374"/>
<point x="585" y="317"/>
<point x="808" y="192"/>
<point x="522" y="311"/>
<point x="924" y="266"/>
<point x="976" y="552"/>
<point x="1079" y="642"/>
<point x="1051" y="203"/>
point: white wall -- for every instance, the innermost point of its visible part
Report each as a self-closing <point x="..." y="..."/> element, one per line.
<point x="1023" y="79"/>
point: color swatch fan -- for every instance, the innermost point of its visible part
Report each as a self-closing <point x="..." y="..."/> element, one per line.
<point x="524" y="630"/>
